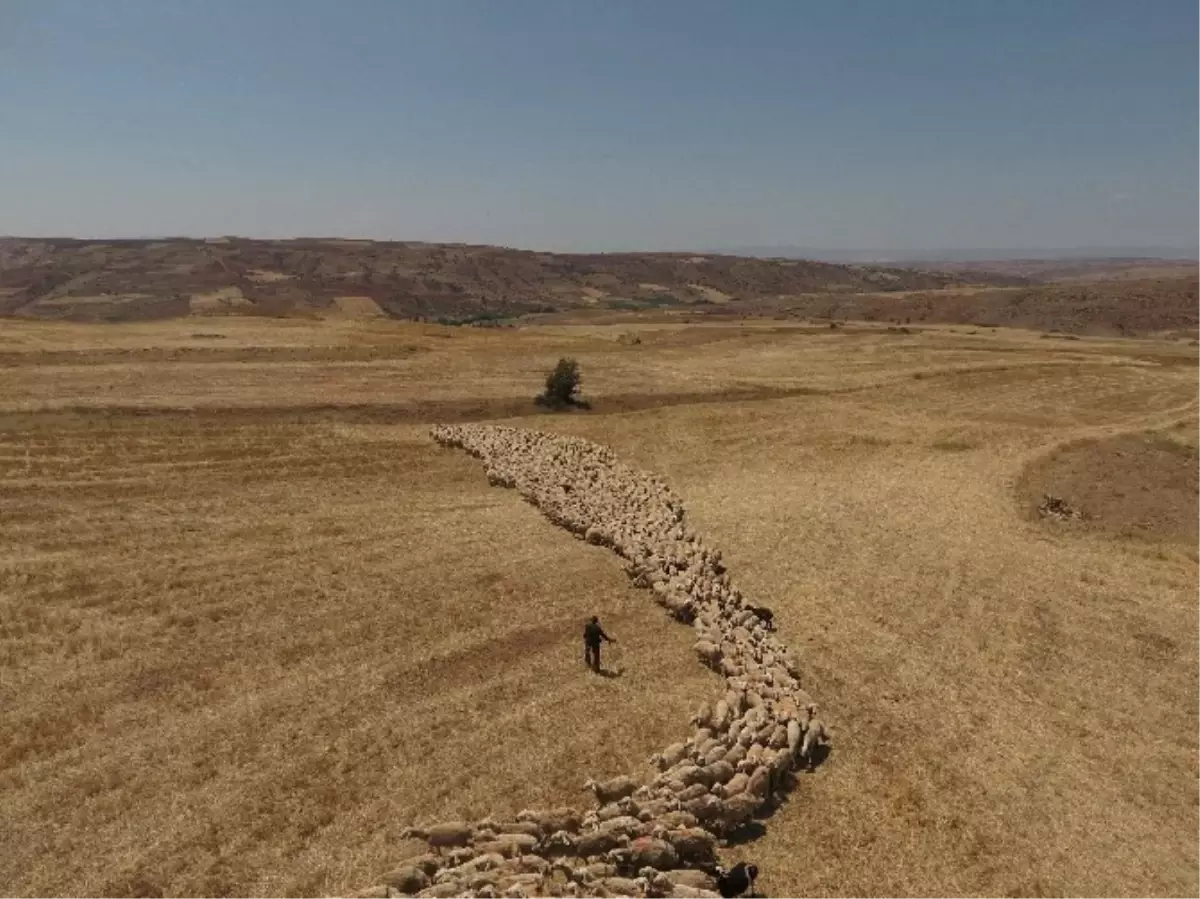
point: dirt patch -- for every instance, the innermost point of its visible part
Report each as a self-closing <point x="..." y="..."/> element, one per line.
<point x="1134" y="485"/>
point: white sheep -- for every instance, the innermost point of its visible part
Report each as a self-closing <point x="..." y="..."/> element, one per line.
<point x="611" y="790"/>
<point x="794" y="734"/>
<point x="815" y="733"/>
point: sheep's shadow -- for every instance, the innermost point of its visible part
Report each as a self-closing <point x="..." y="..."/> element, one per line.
<point x="820" y="753"/>
<point x="757" y="828"/>
<point x="747" y="833"/>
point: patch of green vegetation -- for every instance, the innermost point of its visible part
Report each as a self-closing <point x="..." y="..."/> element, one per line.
<point x="657" y="301"/>
<point x="493" y="318"/>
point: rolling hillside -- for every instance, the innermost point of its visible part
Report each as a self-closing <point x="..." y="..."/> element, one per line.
<point x="130" y="280"/>
<point x="1067" y="269"/>
<point x="1108" y="308"/>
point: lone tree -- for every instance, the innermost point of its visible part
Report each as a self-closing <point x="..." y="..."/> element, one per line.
<point x="562" y="385"/>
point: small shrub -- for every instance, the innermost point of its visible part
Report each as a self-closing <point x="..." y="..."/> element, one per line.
<point x="562" y="385"/>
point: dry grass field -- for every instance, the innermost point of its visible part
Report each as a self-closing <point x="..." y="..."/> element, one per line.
<point x="253" y="622"/>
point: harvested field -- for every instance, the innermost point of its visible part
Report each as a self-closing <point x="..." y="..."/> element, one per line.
<point x="224" y="653"/>
<point x="253" y="622"/>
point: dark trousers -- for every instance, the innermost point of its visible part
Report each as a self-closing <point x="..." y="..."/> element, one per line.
<point x="591" y="655"/>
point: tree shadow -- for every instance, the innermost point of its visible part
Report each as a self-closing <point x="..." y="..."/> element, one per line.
<point x="553" y="404"/>
<point x="780" y="795"/>
<point x="757" y="828"/>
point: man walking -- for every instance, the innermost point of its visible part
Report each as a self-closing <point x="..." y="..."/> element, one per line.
<point x="593" y="633"/>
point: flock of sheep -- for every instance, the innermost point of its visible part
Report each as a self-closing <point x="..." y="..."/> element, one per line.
<point x="658" y="838"/>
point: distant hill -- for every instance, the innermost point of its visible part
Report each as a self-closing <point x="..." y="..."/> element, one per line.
<point x="1041" y="266"/>
<point x="120" y="280"/>
<point x="1166" y="305"/>
<point x="1071" y="270"/>
<point x="975" y="256"/>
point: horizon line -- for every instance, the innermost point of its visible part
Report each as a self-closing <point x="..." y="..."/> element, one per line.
<point x="1009" y="254"/>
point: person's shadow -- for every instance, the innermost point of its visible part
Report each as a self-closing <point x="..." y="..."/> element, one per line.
<point x="608" y="672"/>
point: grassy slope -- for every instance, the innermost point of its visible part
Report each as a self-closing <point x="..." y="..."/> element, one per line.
<point x="241" y="651"/>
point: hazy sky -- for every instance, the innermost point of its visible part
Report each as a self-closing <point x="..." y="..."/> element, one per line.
<point x="601" y="125"/>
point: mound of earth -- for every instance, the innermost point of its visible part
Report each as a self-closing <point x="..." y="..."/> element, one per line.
<point x="1132" y="485"/>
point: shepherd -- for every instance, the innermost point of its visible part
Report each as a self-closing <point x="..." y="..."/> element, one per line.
<point x="593" y="633"/>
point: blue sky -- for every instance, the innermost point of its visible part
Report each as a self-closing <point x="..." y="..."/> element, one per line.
<point x="604" y="125"/>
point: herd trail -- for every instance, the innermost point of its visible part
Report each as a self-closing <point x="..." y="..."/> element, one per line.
<point x="645" y="839"/>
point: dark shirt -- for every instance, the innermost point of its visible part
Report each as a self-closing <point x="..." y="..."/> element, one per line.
<point x="593" y="634"/>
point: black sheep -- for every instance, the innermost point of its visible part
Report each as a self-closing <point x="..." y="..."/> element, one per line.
<point x="765" y="615"/>
<point x="737" y="880"/>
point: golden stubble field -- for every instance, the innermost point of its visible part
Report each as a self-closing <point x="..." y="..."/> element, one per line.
<point x="253" y="622"/>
